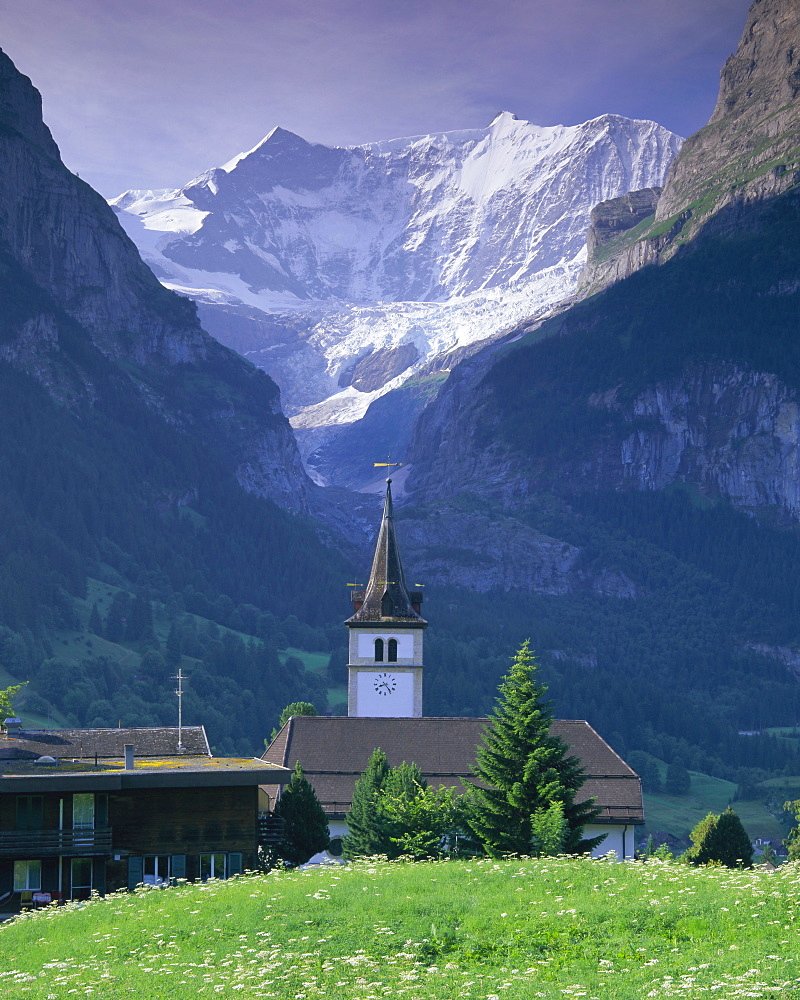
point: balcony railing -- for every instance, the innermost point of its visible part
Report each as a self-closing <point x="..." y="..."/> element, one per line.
<point x="47" y="842"/>
<point x="270" y="829"/>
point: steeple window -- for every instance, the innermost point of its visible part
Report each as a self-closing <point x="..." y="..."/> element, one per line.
<point x="392" y="651"/>
<point x="379" y="650"/>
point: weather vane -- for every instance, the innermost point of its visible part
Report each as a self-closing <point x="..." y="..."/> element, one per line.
<point x="386" y="465"/>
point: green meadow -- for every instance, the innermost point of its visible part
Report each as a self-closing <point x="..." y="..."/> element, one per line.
<point x="488" y="930"/>
<point x="679" y="814"/>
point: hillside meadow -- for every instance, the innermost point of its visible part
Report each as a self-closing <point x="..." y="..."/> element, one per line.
<point x="488" y="930"/>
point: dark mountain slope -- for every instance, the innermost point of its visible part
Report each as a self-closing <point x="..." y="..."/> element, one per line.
<point x="644" y="448"/>
<point x="83" y="311"/>
<point x="137" y="451"/>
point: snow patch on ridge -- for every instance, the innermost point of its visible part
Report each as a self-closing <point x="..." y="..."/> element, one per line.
<point x="310" y="259"/>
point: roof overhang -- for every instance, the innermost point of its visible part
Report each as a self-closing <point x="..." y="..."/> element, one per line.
<point x="114" y="781"/>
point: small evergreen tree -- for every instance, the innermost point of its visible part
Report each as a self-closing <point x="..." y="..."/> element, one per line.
<point x="721" y="840"/>
<point x="678" y="781"/>
<point x="139" y="624"/>
<point x="95" y="621"/>
<point x="305" y="825"/>
<point x="524" y="768"/>
<point x="153" y="667"/>
<point x="647" y="769"/>
<point x="367" y="824"/>
<point x="549" y="830"/>
<point x="173" y="648"/>
<point x="117" y="617"/>
<point x="768" y="856"/>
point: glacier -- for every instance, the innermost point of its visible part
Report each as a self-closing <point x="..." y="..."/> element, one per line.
<point x="318" y="261"/>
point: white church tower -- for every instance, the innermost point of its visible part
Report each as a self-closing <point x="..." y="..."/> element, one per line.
<point x="386" y="631"/>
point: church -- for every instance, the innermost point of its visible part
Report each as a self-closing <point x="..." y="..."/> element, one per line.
<point x="385" y="685"/>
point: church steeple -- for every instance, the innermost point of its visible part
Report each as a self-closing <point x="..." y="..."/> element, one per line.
<point x="387" y="598"/>
<point x="386" y="632"/>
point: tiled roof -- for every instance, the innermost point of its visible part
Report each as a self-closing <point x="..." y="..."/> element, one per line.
<point x="83" y="743"/>
<point x="386" y="598"/>
<point x="334" y="752"/>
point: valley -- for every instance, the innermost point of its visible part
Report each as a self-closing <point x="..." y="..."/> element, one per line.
<point x="601" y="459"/>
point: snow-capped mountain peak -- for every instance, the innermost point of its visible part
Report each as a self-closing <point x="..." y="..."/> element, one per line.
<point x="315" y="257"/>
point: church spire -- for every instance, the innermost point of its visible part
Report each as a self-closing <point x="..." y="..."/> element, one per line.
<point x="387" y="598"/>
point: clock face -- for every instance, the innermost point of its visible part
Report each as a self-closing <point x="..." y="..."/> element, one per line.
<point x="385" y="684"/>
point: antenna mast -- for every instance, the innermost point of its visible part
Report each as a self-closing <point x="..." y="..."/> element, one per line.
<point x="179" y="692"/>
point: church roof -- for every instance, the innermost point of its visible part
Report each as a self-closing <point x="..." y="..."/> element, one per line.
<point x="386" y="599"/>
<point x="334" y="751"/>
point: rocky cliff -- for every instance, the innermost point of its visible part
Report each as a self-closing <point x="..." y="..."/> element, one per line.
<point x="749" y="151"/>
<point x="686" y="373"/>
<point x="83" y="310"/>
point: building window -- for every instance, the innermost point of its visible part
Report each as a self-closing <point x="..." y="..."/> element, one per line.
<point x="379" y="650"/>
<point x="83" y="811"/>
<point x="27" y="875"/>
<point x="29" y="812"/>
<point x="213" y="866"/>
<point x="392" y="657"/>
<point x="156" y="870"/>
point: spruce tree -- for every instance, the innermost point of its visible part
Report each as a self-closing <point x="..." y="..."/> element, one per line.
<point x="523" y="768"/>
<point x="549" y="830"/>
<point x="117" y="616"/>
<point x="721" y="840"/>
<point x="679" y="781"/>
<point x="174" y="646"/>
<point x="95" y="621"/>
<point x="702" y="838"/>
<point x="369" y="828"/>
<point x="305" y="825"/>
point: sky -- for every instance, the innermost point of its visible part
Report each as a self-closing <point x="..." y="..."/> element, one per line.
<point x="148" y="94"/>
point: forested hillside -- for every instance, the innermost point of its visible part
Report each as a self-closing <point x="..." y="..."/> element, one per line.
<point x="646" y="441"/>
<point x="138" y="453"/>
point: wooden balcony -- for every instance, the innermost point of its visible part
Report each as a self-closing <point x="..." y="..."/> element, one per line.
<point x="44" y="843"/>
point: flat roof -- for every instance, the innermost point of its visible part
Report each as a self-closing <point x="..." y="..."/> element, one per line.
<point x="26" y="775"/>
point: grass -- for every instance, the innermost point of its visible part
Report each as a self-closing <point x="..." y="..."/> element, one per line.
<point x="317" y="663"/>
<point x="482" y="930"/>
<point x="679" y="814"/>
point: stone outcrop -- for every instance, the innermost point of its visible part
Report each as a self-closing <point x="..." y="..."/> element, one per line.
<point x="748" y="152"/>
<point x="728" y="430"/>
<point x="754" y="127"/>
<point x="610" y="219"/>
<point x="81" y="308"/>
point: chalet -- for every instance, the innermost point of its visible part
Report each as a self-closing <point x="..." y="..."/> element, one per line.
<point x="94" y="810"/>
<point x="386" y="667"/>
